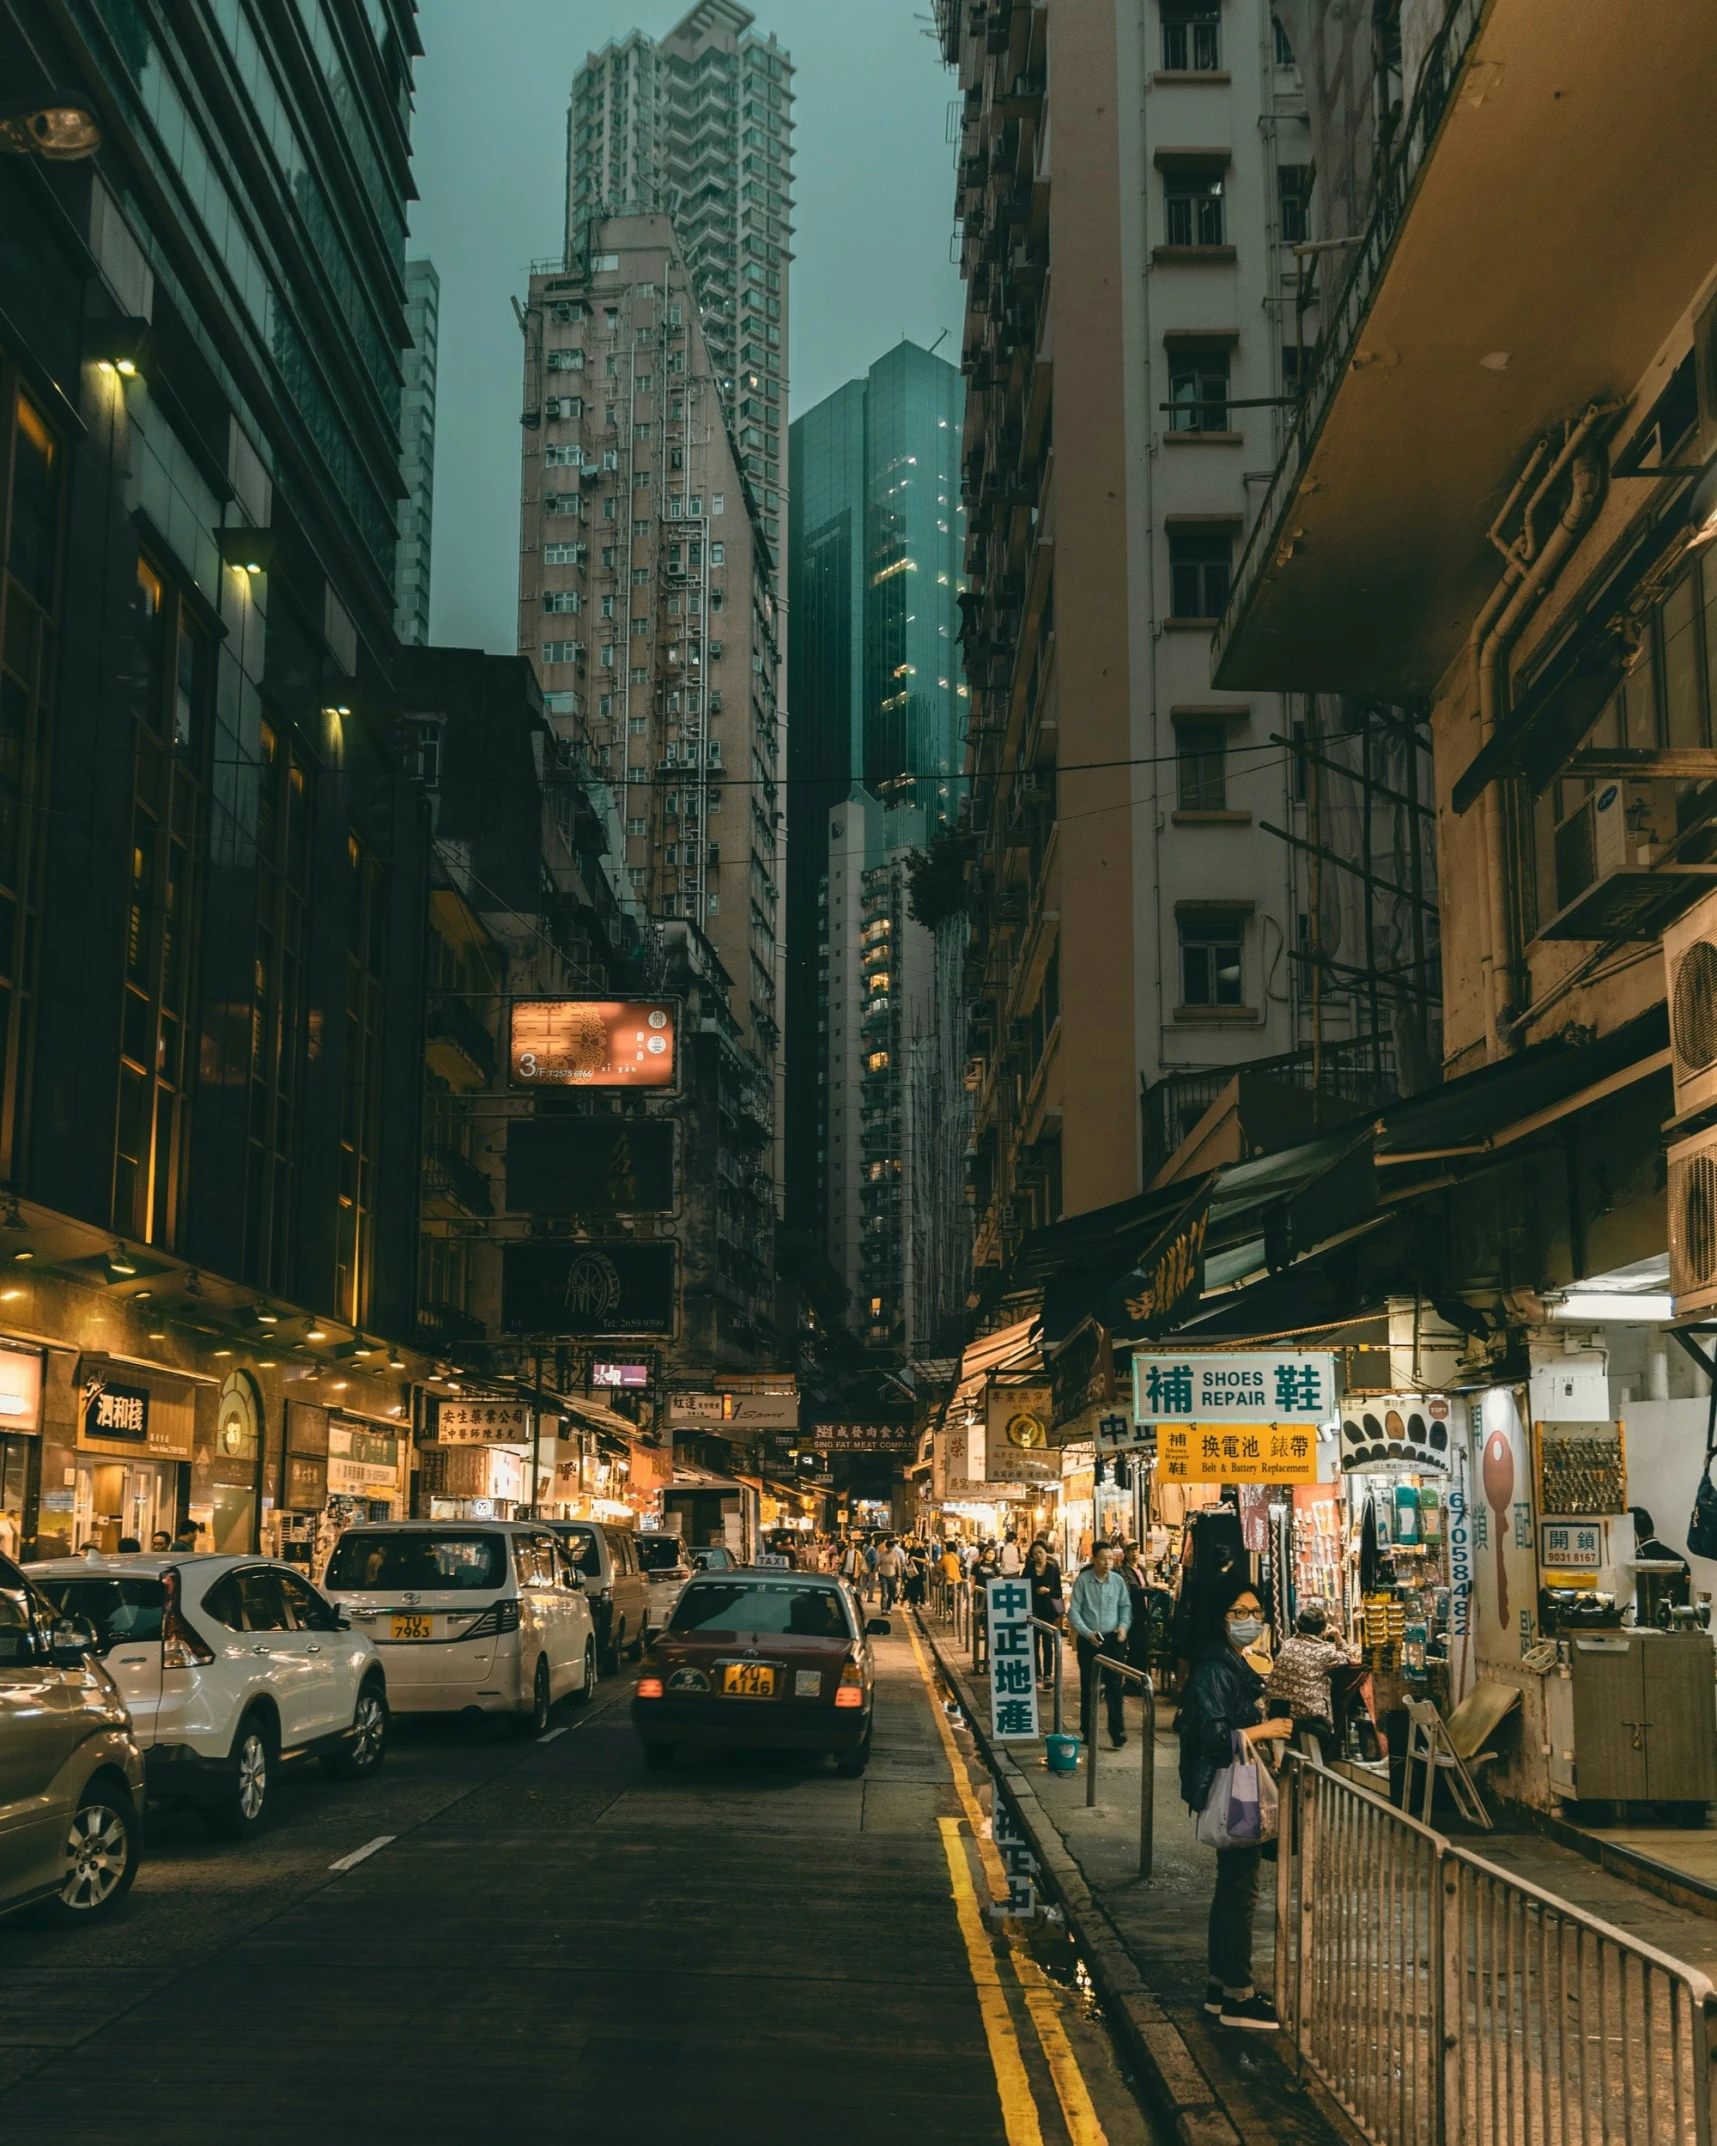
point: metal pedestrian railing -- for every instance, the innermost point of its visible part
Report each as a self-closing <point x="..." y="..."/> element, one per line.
<point x="1441" y="1998"/>
<point x="1147" y="1756"/>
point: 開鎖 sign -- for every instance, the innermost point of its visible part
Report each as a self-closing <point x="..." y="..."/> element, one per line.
<point x="1285" y="1386"/>
<point x="1013" y="1662"/>
<point x="1571" y="1545"/>
<point x="591" y="1043"/>
<point x="1237" y="1453"/>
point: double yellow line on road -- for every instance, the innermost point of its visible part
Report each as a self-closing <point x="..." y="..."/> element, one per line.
<point x="1019" y="2109"/>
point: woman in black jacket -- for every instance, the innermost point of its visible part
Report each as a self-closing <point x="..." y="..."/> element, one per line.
<point x="1222" y="1696"/>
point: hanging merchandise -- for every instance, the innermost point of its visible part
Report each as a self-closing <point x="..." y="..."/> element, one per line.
<point x="1406" y="1528"/>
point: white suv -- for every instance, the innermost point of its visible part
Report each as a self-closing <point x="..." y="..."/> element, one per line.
<point x="472" y="1616"/>
<point x="229" y="1665"/>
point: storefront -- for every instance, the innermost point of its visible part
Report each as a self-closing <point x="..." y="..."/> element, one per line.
<point x="135" y="1431"/>
<point x="337" y="1467"/>
<point x="20" y="1445"/>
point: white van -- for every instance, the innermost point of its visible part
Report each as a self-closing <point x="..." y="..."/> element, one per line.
<point x="468" y="1616"/>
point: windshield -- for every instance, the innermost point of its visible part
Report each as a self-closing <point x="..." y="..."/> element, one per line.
<point x="406" y="1558"/>
<point x="760" y="1606"/>
<point x="118" y="1609"/>
<point x="713" y="1560"/>
<point x="580" y="1546"/>
<point x="660" y="1553"/>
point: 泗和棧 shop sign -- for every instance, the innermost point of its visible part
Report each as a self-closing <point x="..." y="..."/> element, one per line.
<point x="1286" y="1386"/>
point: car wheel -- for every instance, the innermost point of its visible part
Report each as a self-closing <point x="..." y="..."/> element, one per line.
<point x="369" y="1739"/>
<point x="658" y="1757"/>
<point x="850" y="1764"/>
<point x="587" y="1690"/>
<point x="102" y="1843"/>
<point x="242" y="1810"/>
<point x="535" y="1723"/>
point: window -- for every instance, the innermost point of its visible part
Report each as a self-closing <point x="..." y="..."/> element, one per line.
<point x="1191" y="39"/>
<point x="1284" y="50"/>
<point x="1192" y="196"/>
<point x="1198" y="388"/>
<point x="562" y="651"/>
<point x="640" y="576"/>
<point x="637" y="726"/>
<point x="637" y="827"/>
<point x="1210" y="949"/>
<point x="1201" y="766"/>
<point x="562" y="554"/>
<point x="1294" y="202"/>
<point x="1199" y="566"/>
<point x="172" y="683"/>
<point x="718" y="551"/>
<point x="563" y="600"/>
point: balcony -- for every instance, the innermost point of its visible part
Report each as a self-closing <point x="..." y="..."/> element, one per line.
<point x="453" y="1187"/>
<point x="1507" y="279"/>
<point x="458" y="1047"/>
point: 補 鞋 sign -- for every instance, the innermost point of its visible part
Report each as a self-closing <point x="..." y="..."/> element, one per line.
<point x="1284" y="1386"/>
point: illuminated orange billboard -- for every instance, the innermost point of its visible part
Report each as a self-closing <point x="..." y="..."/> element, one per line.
<point x="592" y="1043"/>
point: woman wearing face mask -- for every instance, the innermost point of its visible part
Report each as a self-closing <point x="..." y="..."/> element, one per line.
<point x="1222" y="1695"/>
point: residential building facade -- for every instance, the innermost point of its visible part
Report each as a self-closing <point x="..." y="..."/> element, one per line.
<point x="417" y="452"/>
<point x="698" y="125"/>
<point x="1140" y="834"/>
<point x="647" y="606"/>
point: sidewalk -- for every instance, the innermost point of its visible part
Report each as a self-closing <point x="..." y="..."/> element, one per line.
<point x="1145" y="1944"/>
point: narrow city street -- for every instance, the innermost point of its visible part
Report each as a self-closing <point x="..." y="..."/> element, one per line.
<point x="548" y="1942"/>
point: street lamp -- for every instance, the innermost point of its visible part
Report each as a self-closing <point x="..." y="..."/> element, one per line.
<point x="54" y="127"/>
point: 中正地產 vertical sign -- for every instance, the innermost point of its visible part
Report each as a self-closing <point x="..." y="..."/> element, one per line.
<point x="1013" y="1684"/>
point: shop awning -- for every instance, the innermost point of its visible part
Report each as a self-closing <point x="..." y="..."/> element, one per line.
<point x="1012" y="1348"/>
<point x="687" y="1476"/>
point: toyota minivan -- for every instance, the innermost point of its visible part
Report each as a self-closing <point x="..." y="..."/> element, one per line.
<point x="469" y="1616"/>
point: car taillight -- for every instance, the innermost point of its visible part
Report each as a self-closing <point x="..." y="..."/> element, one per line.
<point x="850" y="1690"/>
<point x="649" y="1687"/>
<point x="497" y="1618"/>
<point x="181" y="1647"/>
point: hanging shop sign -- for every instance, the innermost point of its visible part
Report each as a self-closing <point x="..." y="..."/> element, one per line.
<point x="629" y="1377"/>
<point x="361" y="1462"/>
<point x="590" y="1166"/>
<point x="652" y="1467"/>
<point x="1231" y="1453"/>
<point x="1396" y="1430"/>
<point x="1285" y="1386"/>
<point x="480" y="1422"/>
<point x="1571" y="1545"/>
<point x="1013" y="1664"/>
<point x="592" y="1043"/>
<point x="1017" y="1445"/>
<point x="749" y="1411"/>
<point x="1082" y="1383"/>
<point x="1115" y="1431"/>
<point x="864" y="1438"/>
<point x="1164" y="1279"/>
<point x="131" y="1414"/>
<point x="20" y="1389"/>
<point x="611" y="1286"/>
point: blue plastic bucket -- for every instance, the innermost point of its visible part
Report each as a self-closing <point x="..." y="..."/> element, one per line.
<point x="1062" y="1753"/>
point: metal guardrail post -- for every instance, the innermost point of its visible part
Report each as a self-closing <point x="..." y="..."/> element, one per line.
<point x="1042" y="1624"/>
<point x="1287" y="1864"/>
<point x="1444" y="1976"/>
<point x="1148" y="1757"/>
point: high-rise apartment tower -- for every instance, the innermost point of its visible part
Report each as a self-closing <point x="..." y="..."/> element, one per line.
<point x="417" y="453"/>
<point x="699" y="125"/>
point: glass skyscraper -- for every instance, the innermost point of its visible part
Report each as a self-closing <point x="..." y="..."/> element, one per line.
<point x="874" y="752"/>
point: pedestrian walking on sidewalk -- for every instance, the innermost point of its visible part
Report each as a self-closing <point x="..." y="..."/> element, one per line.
<point x="1222" y="1697"/>
<point x="1043" y="1575"/>
<point x="1008" y="1558"/>
<point x="1100" y="1612"/>
<point x="890" y="1565"/>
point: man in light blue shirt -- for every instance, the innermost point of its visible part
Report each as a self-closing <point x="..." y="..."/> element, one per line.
<point x="1100" y="1609"/>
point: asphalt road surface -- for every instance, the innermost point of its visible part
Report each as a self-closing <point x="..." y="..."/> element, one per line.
<point x="551" y="1944"/>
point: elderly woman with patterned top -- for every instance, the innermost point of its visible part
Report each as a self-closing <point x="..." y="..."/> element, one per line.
<point x="1223" y="1696"/>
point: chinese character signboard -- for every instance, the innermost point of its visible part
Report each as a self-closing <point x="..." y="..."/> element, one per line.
<point x="1286" y="1386"/>
<point x="1017" y="1443"/>
<point x="864" y="1438"/>
<point x="1571" y="1545"/>
<point x="1013" y="1663"/>
<point x="493" y="1422"/>
<point x="607" y="1286"/>
<point x="590" y="1166"/>
<point x="591" y="1043"/>
<point x="616" y="1376"/>
<point x="1237" y="1453"/>
<point x="1082" y="1378"/>
<point x="114" y="1412"/>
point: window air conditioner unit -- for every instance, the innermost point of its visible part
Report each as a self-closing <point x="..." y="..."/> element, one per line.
<point x="1690" y="982"/>
<point x="1613" y="880"/>
<point x="1693" y="1222"/>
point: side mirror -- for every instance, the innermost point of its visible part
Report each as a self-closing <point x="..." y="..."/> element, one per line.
<point x="342" y="1622"/>
<point x="72" y="1642"/>
<point x="877" y="1628"/>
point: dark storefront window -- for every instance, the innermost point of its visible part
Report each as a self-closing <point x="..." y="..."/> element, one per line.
<point x="277" y="1009"/>
<point x="361" y="1089"/>
<point x="171" y="678"/>
<point x="30" y="474"/>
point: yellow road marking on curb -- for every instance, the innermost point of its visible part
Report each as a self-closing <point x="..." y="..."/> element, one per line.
<point x="1083" y="2126"/>
<point x="1019" y="2110"/>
